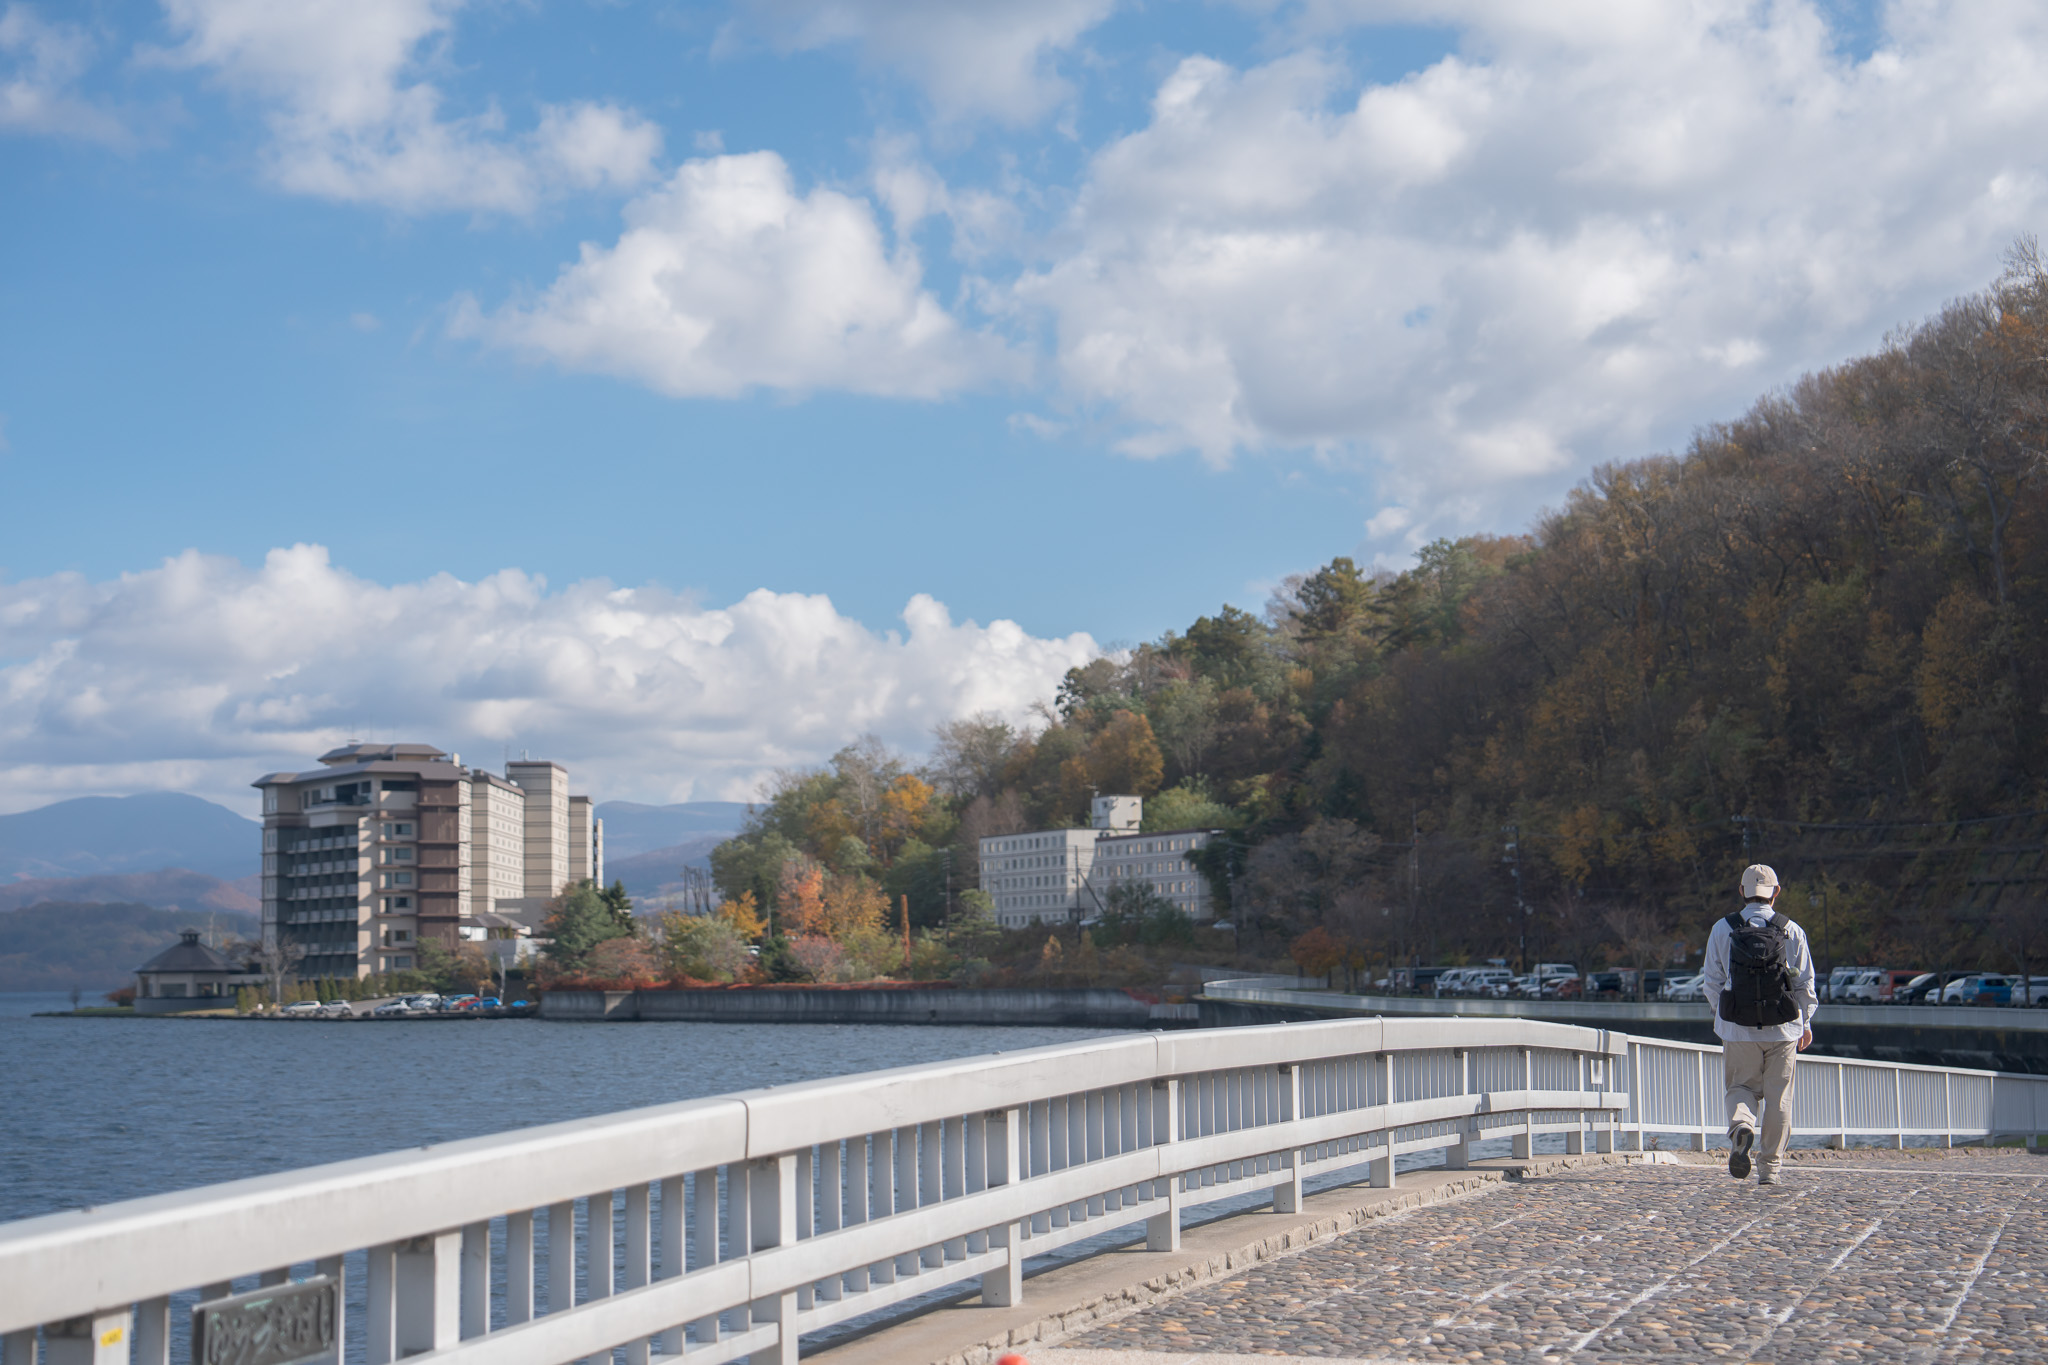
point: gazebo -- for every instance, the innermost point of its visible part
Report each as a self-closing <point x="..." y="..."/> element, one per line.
<point x="188" y="975"/>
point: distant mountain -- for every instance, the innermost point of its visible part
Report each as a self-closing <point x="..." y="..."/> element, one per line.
<point x="631" y="829"/>
<point x="96" y="835"/>
<point x="658" y="874"/>
<point x="55" y="945"/>
<point x="173" y="888"/>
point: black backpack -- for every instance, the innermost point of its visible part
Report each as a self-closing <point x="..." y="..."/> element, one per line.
<point x="1759" y="990"/>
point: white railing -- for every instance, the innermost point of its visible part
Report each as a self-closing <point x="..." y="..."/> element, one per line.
<point x="732" y="1226"/>
<point x="1676" y="1088"/>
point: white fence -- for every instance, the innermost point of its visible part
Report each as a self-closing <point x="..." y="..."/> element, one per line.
<point x="1676" y="1088"/>
<point x="731" y="1226"/>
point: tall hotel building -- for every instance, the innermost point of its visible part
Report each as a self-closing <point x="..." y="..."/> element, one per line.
<point x="387" y="845"/>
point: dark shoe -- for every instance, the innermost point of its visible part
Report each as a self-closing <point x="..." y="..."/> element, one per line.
<point x="1738" y="1160"/>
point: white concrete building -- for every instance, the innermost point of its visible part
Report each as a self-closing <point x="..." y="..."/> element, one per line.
<point x="385" y="846"/>
<point x="1044" y="876"/>
<point x="1160" y="859"/>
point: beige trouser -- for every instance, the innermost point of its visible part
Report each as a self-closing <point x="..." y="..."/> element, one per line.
<point x="1759" y="1076"/>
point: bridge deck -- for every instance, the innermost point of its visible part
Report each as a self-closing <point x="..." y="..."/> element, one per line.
<point x="1863" y="1255"/>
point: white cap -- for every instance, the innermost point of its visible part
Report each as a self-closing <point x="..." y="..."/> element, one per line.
<point x="1758" y="881"/>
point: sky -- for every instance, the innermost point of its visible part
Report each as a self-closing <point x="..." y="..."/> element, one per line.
<point x="681" y="390"/>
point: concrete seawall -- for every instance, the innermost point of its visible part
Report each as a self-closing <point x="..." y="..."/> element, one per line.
<point x="1957" y="1036"/>
<point x="1043" y="1008"/>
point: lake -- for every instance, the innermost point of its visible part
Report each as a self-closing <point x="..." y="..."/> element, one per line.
<point x="103" y="1109"/>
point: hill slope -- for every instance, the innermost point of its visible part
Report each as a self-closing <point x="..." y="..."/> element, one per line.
<point x="173" y="888"/>
<point x="54" y="945"/>
<point x="96" y="835"/>
<point x="631" y="829"/>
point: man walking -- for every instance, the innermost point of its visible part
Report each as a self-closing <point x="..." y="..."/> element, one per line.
<point x="1759" y="981"/>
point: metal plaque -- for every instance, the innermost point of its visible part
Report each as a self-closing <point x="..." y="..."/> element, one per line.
<point x="280" y="1325"/>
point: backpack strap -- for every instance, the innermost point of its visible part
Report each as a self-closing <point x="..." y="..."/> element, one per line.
<point x="1736" y="924"/>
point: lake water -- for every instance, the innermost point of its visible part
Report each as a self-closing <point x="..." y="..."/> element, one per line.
<point x="102" y="1109"/>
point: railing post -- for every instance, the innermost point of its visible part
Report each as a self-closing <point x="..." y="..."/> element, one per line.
<point x="1287" y="1194"/>
<point x="1699" y="1094"/>
<point x="153" y="1327"/>
<point x="639" y="1231"/>
<point x="774" y="1195"/>
<point x="562" y="1256"/>
<point x="428" y="1278"/>
<point x="1948" y="1112"/>
<point x="1003" y="1287"/>
<point x="1575" y="1140"/>
<point x="1841" y="1138"/>
<point x="704" y="1239"/>
<point x="1458" y="1156"/>
<point x="100" y="1339"/>
<point x="598" y="1245"/>
<point x="1381" y="1172"/>
<point x="906" y="1192"/>
<point x="380" y="1308"/>
<point x="975" y="1171"/>
<point x="1162" y="1230"/>
<point x="476" y="1279"/>
<point x="1635" y="1089"/>
<point x="518" y="1267"/>
<point x="1524" y="1142"/>
<point x="1898" y="1113"/>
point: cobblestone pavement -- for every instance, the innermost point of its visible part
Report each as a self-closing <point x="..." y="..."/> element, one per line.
<point x="1868" y="1257"/>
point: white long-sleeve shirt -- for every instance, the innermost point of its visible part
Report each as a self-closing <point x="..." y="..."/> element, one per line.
<point x="1797" y="956"/>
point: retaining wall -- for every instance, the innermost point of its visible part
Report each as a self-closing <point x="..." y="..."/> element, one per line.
<point x="1044" y="1008"/>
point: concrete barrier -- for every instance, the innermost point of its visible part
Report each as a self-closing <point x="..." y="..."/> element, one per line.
<point x="797" y="1005"/>
<point x="1989" y="1038"/>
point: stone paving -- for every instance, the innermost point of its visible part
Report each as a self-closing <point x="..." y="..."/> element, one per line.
<point x="1868" y="1256"/>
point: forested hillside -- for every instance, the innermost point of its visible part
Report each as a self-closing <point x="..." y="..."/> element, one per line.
<point x="1815" y="638"/>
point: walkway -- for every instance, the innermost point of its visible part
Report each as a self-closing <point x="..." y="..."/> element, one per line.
<point x="1858" y="1256"/>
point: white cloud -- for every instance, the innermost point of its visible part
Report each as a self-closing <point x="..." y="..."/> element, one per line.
<point x="352" y="120"/>
<point x="726" y="279"/>
<point x="992" y="58"/>
<point x="40" y="63"/>
<point x="203" y="674"/>
<point x="1591" y="229"/>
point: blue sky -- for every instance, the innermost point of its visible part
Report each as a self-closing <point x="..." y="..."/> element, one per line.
<point x="1082" y="315"/>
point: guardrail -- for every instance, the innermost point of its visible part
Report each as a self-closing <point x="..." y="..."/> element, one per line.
<point x="1676" y="1088"/>
<point x="730" y="1227"/>
<point x="1673" y="1088"/>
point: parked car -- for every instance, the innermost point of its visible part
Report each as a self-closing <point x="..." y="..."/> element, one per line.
<point x="1487" y="980"/>
<point x="2038" y="997"/>
<point x="1866" y="988"/>
<point x="302" y="1007"/>
<point x="391" y="1009"/>
<point x="1452" y="982"/>
<point x="427" y="1001"/>
<point x="1978" y="988"/>
<point x="1918" y="990"/>
<point x="455" y="1002"/>
<point x="1615" y="985"/>
<point x="1561" y="987"/>
<point x="1692" y="987"/>
<point x="337" y="1009"/>
<point x="1831" y="987"/>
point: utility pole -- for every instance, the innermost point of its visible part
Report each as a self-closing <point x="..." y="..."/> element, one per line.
<point x="1414" y="880"/>
<point x="1513" y="858"/>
